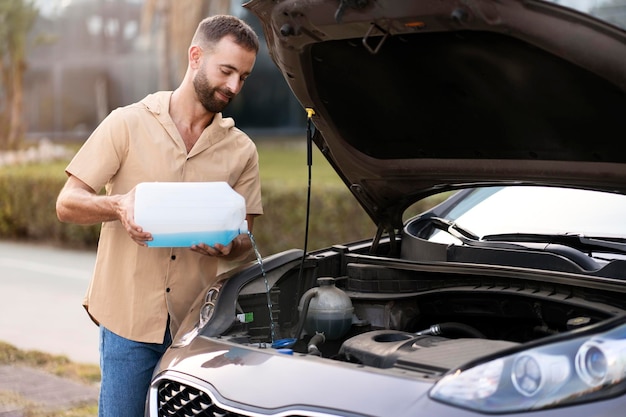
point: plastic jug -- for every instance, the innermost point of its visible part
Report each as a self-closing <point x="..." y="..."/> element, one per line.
<point x="181" y="214"/>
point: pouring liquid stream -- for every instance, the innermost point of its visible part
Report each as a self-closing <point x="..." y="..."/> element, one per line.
<point x="267" y="287"/>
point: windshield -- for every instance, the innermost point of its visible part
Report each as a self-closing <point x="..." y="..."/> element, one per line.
<point x="541" y="210"/>
<point x="610" y="11"/>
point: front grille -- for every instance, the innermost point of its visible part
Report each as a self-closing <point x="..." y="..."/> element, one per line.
<point x="176" y="399"/>
<point x="179" y="400"/>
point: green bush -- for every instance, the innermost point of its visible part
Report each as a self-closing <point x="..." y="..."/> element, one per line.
<point x="27" y="207"/>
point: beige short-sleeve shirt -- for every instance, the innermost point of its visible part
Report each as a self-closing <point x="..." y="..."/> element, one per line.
<point x="134" y="288"/>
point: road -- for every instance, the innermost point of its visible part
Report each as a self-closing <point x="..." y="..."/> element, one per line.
<point x="41" y="309"/>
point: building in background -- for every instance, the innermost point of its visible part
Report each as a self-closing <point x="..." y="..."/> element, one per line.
<point x="96" y="58"/>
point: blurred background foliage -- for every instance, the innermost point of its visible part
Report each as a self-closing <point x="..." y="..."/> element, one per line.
<point x="65" y="64"/>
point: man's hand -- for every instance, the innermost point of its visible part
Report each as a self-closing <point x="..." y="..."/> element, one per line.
<point x="238" y="247"/>
<point x="125" y="208"/>
<point x="218" y="250"/>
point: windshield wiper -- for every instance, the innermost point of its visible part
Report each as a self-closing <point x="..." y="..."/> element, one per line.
<point x="454" y="229"/>
<point x="466" y="236"/>
<point x="579" y="242"/>
<point x="578" y="249"/>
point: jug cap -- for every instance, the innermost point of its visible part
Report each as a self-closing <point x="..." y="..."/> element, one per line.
<point x="243" y="228"/>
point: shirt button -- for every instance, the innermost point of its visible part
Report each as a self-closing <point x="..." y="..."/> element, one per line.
<point x="167" y="290"/>
<point x="173" y="257"/>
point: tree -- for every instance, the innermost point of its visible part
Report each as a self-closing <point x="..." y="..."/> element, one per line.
<point x="17" y="18"/>
<point x="174" y="23"/>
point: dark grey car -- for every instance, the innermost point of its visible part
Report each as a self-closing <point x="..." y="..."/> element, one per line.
<point x="507" y="298"/>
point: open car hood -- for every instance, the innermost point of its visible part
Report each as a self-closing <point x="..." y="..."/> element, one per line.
<point x="411" y="98"/>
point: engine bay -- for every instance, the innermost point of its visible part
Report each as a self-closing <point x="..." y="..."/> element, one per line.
<point x="409" y="316"/>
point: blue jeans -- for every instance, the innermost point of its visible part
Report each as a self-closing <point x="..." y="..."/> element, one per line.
<point x="126" y="367"/>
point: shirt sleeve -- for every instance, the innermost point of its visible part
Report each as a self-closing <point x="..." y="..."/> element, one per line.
<point x="100" y="157"/>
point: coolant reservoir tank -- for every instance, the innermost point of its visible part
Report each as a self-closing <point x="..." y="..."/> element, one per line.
<point x="330" y="310"/>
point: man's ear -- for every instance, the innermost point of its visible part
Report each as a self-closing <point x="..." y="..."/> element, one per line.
<point x="195" y="55"/>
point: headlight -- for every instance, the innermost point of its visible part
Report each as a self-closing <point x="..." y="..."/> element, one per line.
<point x="601" y="361"/>
<point x="562" y="373"/>
<point x="533" y="373"/>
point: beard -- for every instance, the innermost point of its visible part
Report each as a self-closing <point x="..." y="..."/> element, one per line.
<point x="207" y="93"/>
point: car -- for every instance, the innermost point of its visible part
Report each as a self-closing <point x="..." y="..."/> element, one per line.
<point x="507" y="294"/>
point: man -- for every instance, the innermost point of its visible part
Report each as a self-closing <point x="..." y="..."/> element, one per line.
<point x="139" y="295"/>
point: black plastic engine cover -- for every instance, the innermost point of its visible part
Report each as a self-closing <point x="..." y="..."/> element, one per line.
<point x="430" y="354"/>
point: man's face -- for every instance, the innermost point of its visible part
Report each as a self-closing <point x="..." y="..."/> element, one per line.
<point x="222" y="73"/>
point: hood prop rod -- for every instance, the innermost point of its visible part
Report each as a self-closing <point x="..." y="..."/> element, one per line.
<point x="309" y="160"/>
<point x="382" y="228"/>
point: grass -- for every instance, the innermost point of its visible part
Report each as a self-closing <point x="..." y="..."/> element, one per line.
<point x="284" y="161"/>
<point x="54" y="364"/>
<point x="28" y="409"/>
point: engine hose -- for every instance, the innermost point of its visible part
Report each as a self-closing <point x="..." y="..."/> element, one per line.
<point x="305" y="309"/>
<point x="314" y="343"/>
<point x="451" y="327"/>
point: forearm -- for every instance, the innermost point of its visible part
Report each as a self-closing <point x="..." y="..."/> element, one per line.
<point x="78" y="204"/>
<point x="88" y="209"/>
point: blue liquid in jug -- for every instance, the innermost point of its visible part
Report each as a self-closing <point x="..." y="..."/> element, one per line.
<point x="178" y="240"/>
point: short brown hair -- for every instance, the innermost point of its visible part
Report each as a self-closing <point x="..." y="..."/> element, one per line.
<point x="212" y="29"/>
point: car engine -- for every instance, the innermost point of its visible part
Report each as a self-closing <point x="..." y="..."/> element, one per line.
<point x="406" y="315"/>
